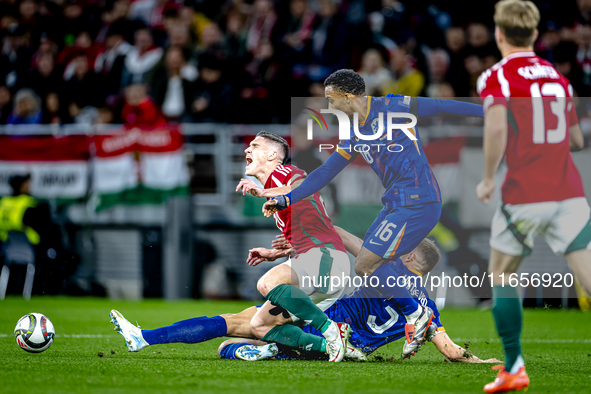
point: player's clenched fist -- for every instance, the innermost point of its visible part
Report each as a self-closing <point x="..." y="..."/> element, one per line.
<point x="248" y="186"/>
<point x="485" y="191"/>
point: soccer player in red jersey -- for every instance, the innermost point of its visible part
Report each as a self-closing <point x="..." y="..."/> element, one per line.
<point x="302" y="286"/>
<point x="531" y="119"/>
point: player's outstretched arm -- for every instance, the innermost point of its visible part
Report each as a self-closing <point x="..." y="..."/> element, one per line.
<point x="576" y="140"/>
<point x="435" y="107"/>
<point x="456" y="353"/>
<point x="317" y="179"/>
<point x="352" y="243"/>
<point x="495" y="141"/>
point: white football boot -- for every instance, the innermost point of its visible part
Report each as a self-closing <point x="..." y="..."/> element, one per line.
<point x="336" y="335"/>
<point x="354" y="354"/>
<point x="256" y="353"/>
<point x="132" y="334"/>
<point x="416" y="330"/>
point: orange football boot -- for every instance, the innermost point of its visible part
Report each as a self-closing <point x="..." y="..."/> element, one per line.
<point x="506" y="381"/>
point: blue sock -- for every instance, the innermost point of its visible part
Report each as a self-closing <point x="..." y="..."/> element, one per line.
<point x="399" y="295"/>
<point x="229" y="351"/>
<point x="194" y="330"/>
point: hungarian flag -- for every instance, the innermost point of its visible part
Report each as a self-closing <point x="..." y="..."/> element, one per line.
<point x="58" y="165"/>
<point x="139" y="167"/>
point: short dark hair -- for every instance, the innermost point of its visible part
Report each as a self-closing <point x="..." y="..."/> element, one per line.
<point x="346" y="81"/>
<point x="430" y="254"/>
<point x="280" y="141"/>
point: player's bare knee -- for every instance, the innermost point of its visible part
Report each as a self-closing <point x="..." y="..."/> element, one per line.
<point x="265" y="285"/>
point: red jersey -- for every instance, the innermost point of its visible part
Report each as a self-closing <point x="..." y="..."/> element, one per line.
<point x="305" y="224"/>
<point x="540" y="111"/>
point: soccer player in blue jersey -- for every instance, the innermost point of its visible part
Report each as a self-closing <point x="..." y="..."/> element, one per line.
<point x="376" y="321"/>
<point x="412" y="201"/>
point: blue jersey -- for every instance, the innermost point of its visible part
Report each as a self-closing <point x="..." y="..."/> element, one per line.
<point x="374" y="320"/>
<point x="400" y="163"/>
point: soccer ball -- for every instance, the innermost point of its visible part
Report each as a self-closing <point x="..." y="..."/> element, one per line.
<point x="34" y="333"/>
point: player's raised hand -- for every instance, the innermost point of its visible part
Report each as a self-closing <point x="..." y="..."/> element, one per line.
<point x="485" y="191"/>
<point x="258" y="255"/>
<point x="248" y="186"/>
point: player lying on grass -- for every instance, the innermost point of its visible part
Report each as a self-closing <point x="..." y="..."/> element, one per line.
<point x="317" y="249"/>
<point x="412" y="200"/>
<point x="376" y="321"/>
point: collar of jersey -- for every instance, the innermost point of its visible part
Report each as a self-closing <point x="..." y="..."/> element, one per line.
<point x="517" y="55"/>
<point x="415" y="272"/>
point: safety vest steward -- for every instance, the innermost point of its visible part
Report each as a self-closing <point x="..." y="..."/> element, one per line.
<point x="12" y="211"/>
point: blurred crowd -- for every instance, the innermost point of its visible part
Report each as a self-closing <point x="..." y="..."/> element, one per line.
<point x="146" y="62"/>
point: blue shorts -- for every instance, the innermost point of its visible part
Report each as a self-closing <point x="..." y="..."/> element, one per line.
<point x="397" y="231"/>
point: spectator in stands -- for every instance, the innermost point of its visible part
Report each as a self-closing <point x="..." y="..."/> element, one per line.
<point x="44" y="78"/>
<point x="564" y="56"/>
<point x="455" y="39"/>
<point x="5" y="104"/>
<point x="406" y="79"/>
<point x="212" y="39"/>
<point x="583" y="40"/>
<point x="139" y="109"/>
<point x="47" y="46"/>
<point x="84" y="88"/>
<point x="438" y="63"/>
<point x="172" y="85"/>
<point x="261" y="24"/>
<point x="141" y="59"/>
<point x="15" y="57"/>
<point x="110" y="61"/>
<point x="27" y="108"/>
<point x="293" y="31"/>
<point x="213" y="96"/>
<point x="236" y="36"/>
<point x="375" y="75"/>
<point x="327" y="47"/>
<point x="54" y="112"/>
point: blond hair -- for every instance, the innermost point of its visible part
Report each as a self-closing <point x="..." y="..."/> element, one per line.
<point x="429" y="254"/>
<point x="517" y="20"/>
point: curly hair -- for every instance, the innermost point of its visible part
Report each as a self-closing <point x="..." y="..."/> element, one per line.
<point x="346" y="81"/>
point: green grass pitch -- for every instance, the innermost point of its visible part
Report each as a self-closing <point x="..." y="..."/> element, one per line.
<point x="557" y="349"/>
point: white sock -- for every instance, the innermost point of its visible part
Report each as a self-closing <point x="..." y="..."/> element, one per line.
<point x="410" y="319"/>
<point x="517" y="364"/>
<point x="331" y="332"/>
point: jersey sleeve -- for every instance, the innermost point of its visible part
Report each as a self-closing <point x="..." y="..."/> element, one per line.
<point x="493" y="88"/>
<point x="286" y="175"/>
<point x="346" y="148"/>
<point x="436" y="317"/>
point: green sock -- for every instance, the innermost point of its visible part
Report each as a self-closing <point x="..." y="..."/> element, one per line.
<point x="293" y="336"/>
<point x="298" y="303"/>
<point x="507" y="313"/>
